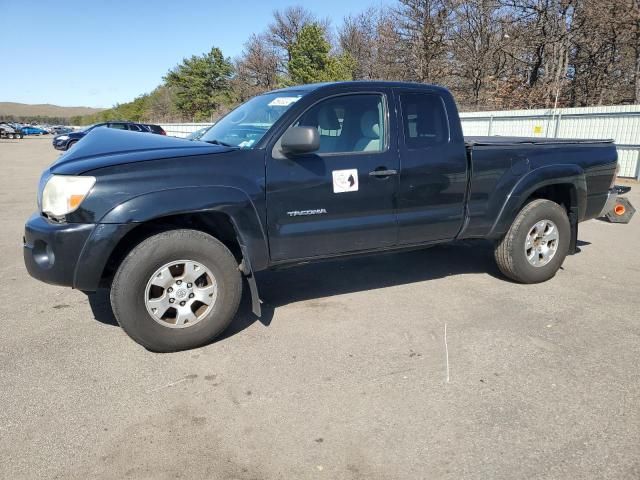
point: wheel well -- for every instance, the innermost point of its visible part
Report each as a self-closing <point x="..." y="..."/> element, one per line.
<point x="216" y="224"/>
<point x="564" y="194"/>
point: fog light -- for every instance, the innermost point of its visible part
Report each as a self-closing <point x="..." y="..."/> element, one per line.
<point x="43" y="254"/>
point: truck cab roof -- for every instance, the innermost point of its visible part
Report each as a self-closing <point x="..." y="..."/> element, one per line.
<point x="358" y="84"/>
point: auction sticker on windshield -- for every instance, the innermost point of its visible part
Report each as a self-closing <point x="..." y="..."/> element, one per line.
<point x="283" y="101"/>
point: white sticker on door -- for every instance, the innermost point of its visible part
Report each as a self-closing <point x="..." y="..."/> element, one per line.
<point x="345" y="180"/>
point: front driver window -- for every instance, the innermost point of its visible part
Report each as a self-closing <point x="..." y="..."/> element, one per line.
<point x="348" y="123"/>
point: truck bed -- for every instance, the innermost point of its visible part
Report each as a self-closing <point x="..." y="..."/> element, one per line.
<point x="498" y="164"/>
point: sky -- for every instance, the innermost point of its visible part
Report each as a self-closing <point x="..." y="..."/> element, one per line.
<point x="98" y="53"/>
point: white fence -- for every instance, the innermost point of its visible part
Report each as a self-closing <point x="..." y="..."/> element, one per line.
<point x="620" y="123"/>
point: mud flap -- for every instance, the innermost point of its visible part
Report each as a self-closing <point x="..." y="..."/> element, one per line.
<point x="573" y="222"/>
<point x="245" y="268"/>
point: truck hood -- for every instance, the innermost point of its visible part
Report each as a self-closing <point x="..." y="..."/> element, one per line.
<point x="105" y="147"/>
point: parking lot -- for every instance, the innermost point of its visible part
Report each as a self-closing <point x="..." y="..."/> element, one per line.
<point x="424" y="364"/>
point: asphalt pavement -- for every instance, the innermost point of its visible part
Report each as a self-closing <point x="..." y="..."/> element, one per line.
<point x="417" y="365"/>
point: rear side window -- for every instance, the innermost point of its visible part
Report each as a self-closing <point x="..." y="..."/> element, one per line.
<point x="135" y="127"/>
<point x="424" y="120"/>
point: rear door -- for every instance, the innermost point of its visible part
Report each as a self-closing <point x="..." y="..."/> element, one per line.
<point x="341" y="198"/>
<point x="434" y="170"/>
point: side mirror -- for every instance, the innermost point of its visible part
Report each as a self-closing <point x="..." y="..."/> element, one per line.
<point x="300" y="140"/>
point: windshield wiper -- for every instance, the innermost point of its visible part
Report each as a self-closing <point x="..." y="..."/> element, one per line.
<point x="218" y="142"/>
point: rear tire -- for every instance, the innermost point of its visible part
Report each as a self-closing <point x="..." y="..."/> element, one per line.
<point x="536" y="244"/>
<point x="71" y="144"/>
<point x="130" y="290"/>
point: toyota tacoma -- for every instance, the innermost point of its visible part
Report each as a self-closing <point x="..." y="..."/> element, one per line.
<point x="295" y="175"/>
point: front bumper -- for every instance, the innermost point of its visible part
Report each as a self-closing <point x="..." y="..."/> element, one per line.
<point x="52" y="251"/>
<point x="70" y="254"/>
<point x="60" y="145"/>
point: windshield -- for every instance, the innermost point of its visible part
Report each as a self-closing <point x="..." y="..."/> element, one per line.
<point x="247" y="124"/>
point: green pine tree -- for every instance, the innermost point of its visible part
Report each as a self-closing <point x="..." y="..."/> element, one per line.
<point x="311" y="59"/>
<point x="202" y="84"/>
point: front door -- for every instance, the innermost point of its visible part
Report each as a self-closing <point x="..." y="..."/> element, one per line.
<point x="339" y="199"/>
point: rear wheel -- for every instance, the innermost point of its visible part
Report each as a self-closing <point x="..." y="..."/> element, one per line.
<point x="176" y="290"/>
<point x="536" y="244"/>
<point x="71" y="144"/>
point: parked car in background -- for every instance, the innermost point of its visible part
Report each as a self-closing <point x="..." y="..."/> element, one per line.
<point x="66" y="141"/>
<point x="59" y="130"/>
<point x="8" y="130"/>
<point x="197" y="135"/>
<point x="29" y="130"/>
<point x="157" y="129"/>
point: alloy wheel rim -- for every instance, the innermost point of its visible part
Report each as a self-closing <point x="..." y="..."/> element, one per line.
<point x="180" y="294"/>
<point x="541" y="243"/>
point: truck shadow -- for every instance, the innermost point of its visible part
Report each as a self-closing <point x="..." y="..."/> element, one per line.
<point x="341" y="276"/>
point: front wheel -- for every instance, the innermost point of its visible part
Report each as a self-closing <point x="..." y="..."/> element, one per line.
<point x="537" y="243"/>
<point x="176" y="290"/>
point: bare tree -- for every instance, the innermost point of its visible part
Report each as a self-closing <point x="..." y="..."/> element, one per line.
<point x="423" y="27"/>
<point x="283" y="31"/>
<point x="257" y="68"/>
<point x="358" y="37"/>
<point x="477" y="40"/>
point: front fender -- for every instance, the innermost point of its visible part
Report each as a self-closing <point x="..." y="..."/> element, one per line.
<point x="534" y="180"/>
<point x="224" y="199"/>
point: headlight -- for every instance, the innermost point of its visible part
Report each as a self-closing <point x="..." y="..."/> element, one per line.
<point x="63" y="137"/>
<point x="63" y="194"/>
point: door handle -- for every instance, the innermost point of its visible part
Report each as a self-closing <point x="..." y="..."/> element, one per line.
<point x="383" y="172"/>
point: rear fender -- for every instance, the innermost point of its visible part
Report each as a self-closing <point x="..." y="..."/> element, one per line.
<point x="536" y="179"/>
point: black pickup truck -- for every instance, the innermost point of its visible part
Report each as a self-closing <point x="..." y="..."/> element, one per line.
<point x="298" y="175"/>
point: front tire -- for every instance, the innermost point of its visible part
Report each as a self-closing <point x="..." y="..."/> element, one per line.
<point x="176" y="290"/>
<point x="536" y="244"/>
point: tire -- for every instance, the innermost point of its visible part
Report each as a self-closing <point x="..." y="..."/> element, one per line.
<point x="134" y="277"/>
<point x="71" y="144"/>
<point x="515" y="257"/>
